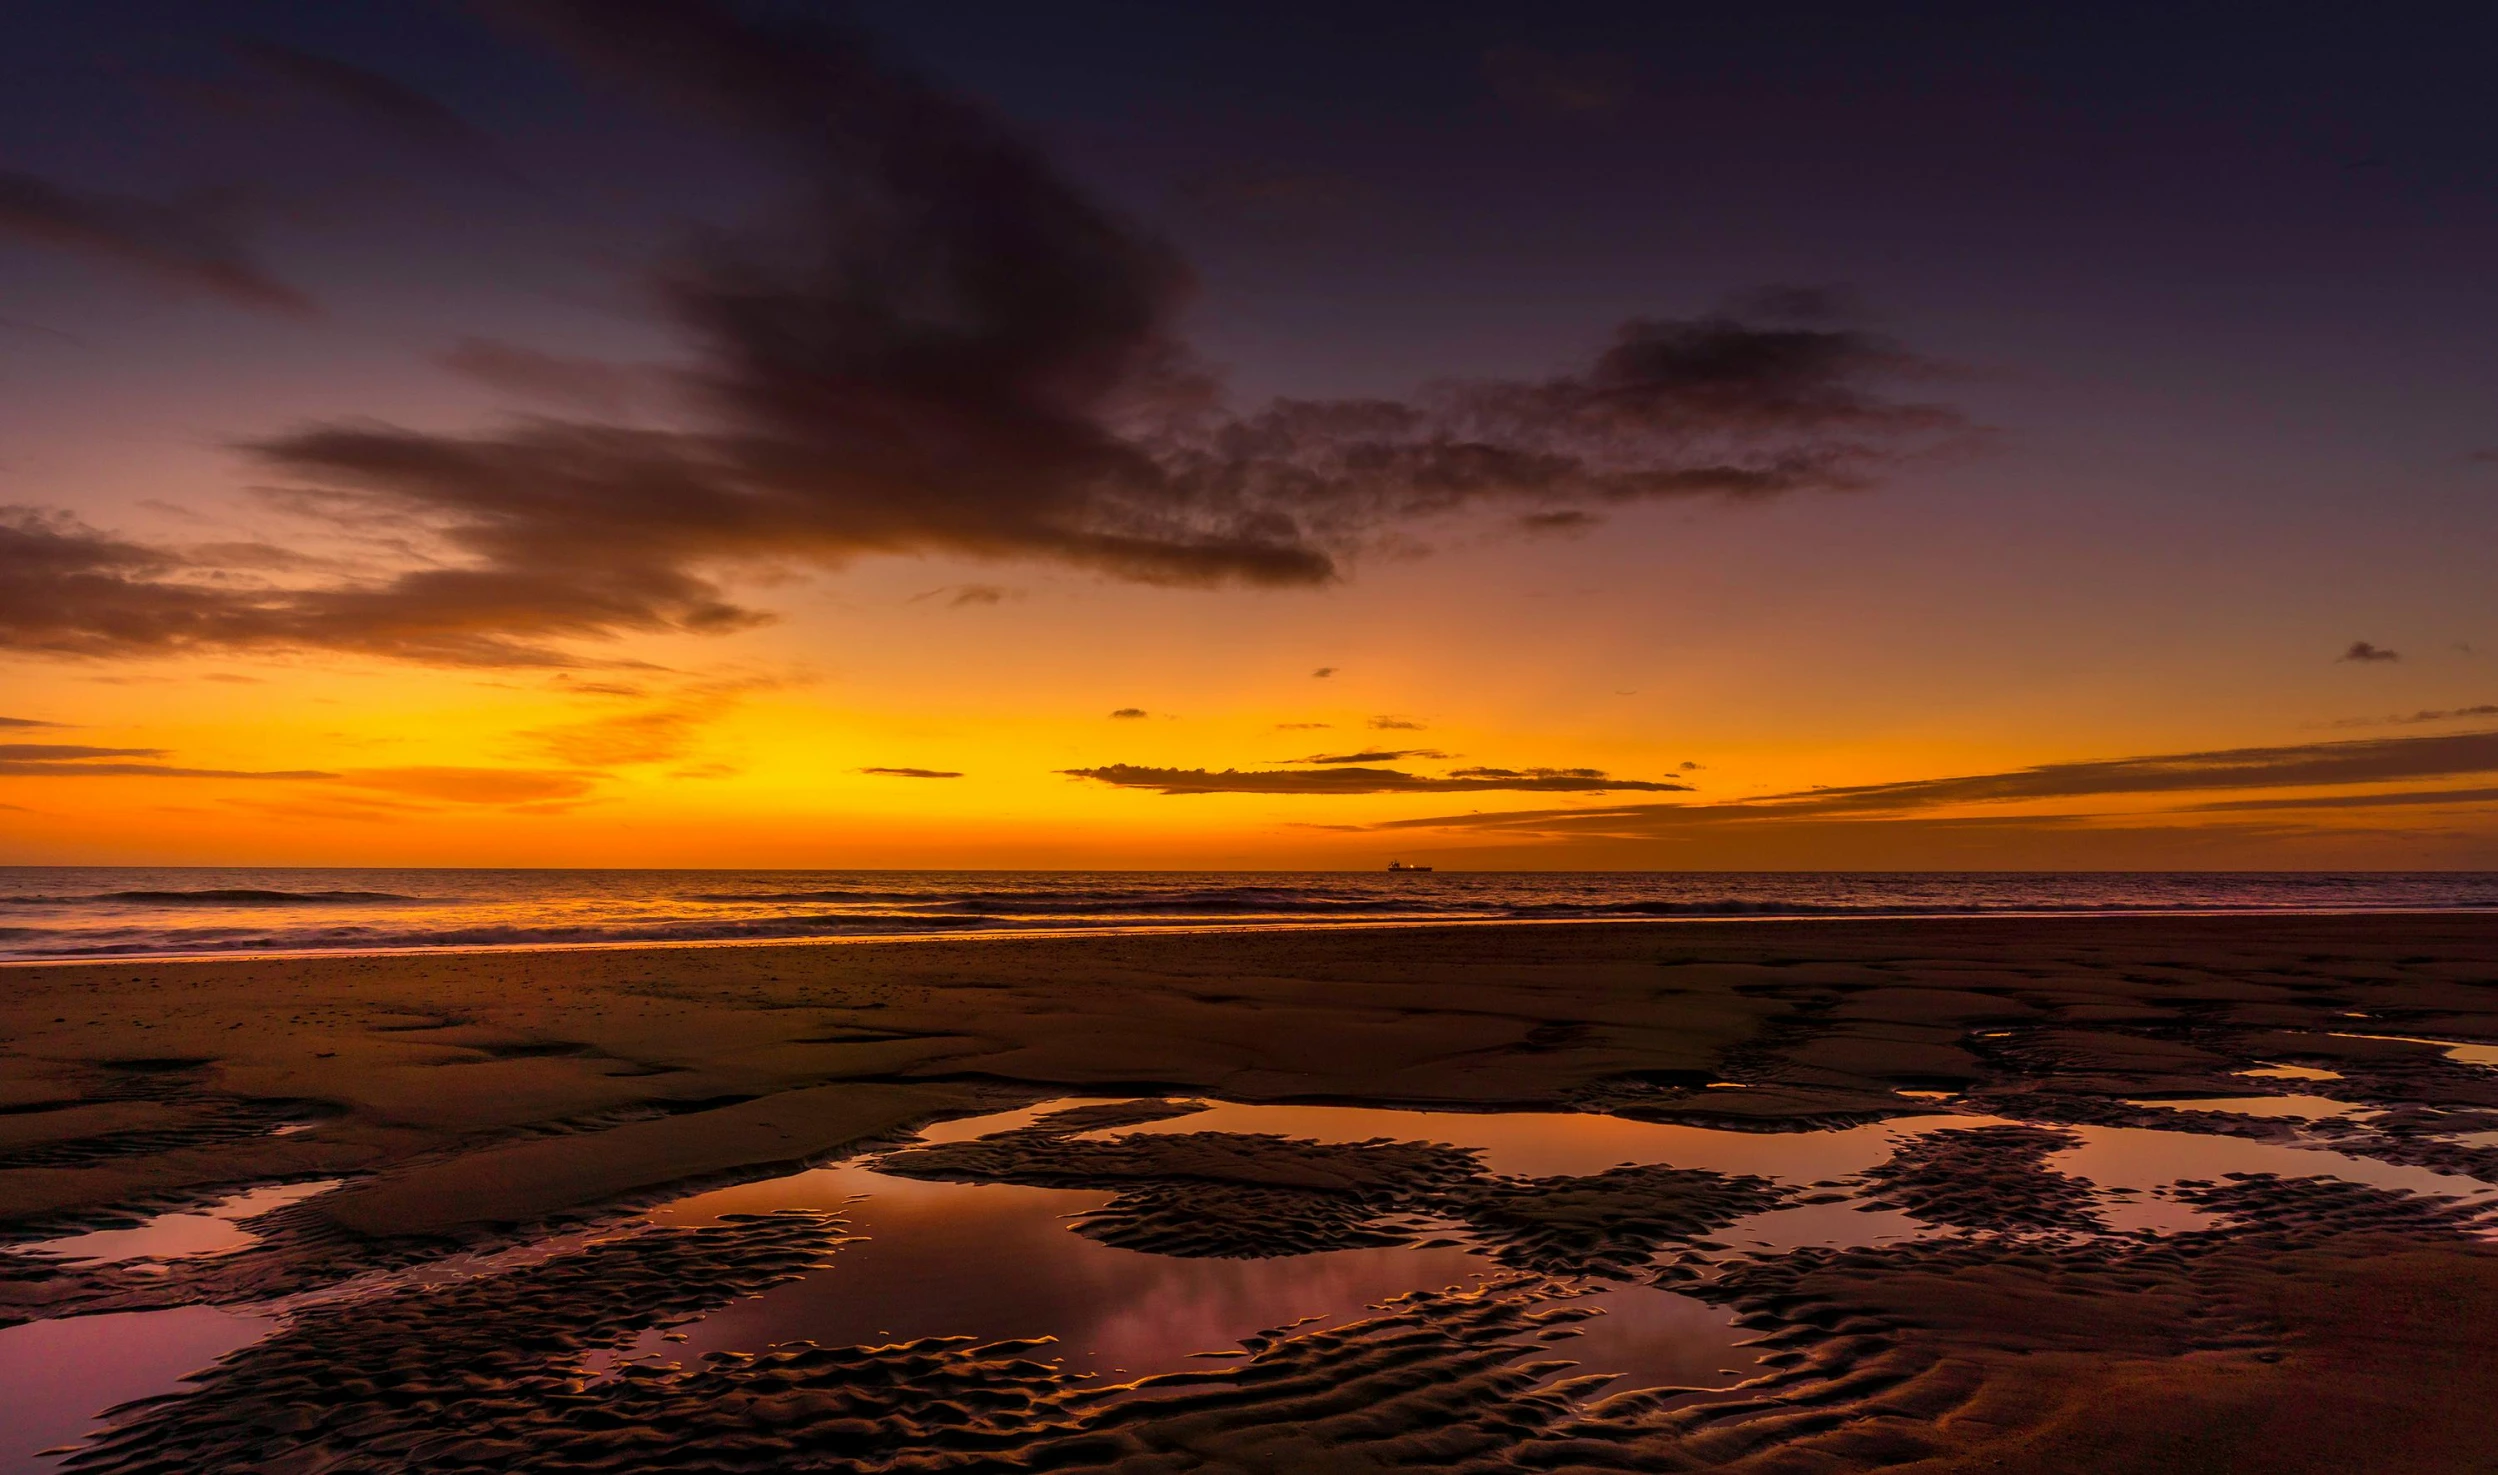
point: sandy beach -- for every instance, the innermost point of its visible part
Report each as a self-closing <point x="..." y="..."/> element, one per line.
<point x="2036" y="1312"/>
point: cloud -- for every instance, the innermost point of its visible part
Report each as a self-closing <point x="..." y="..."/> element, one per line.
<point x="664" y="731"/>
<point x="1377" y="755"/>
<point x="68" y="589"/>
<point x="2361" y="650"/>
<point x="25" y="722"/>
<point x="2489" y="454"/>
<point x="2442" y="714"/>
<point x="1337" y="781"/>
<point x="1395" y="724"/>
<point x="474" y="785"/>
<point x="937" y="345"/>
<point x="959" y="596"/>
<point x="1566" y="520"/>
<point x="2311" y="765"/>
<point x="56" y="752"/>
<point x="186" y="246"/>
<point x="54" y="768"/>
<point x="1302" y="726"/>
<point x="383" y="101"/>
<point x="1323" y="672"/>
<point x="913" y="772"/>
<point x="1535" y="773"/>
<point x="2403" y="798"/>
<point x="579" y="383"/>
<point x="1129" y="714"/>
<point x="79" y="760"/>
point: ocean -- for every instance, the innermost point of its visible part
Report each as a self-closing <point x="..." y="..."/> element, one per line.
<point x="49" y="912"/>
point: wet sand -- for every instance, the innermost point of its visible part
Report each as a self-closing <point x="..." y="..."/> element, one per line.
<point x="2144" y="1238"/>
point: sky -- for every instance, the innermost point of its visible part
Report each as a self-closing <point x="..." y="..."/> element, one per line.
<point x="677" y="432"/>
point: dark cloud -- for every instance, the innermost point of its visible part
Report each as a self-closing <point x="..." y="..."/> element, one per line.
<point x="79" y="760"/>
<point x="1302" y="726"/>
<point x="1335" y="781"/>
<point x="1690" y="767"/>
<point x="913" y="772"/>
<point x="578" y="383"/>
<point x="2311" y="765"/>
<point x="1129" y="714"/>
<point x="936" y="345"/>
<point x="1533" y="773"/>
<point x="2401" y="798"/>
<point x="59" y="751"/>
<point x="25" y="722"/>
<point x="1565" y="520"/>
<point x="1395" y="724"/>
<point x="1323" y="672"/>
<point x="1378" y="755"/>
<point x="384" y="101"/>
<point x="186" y="245"/>
<point x="68" y="589"/>
<point x="2361" y="650"/>
<point x="959" y="596"/>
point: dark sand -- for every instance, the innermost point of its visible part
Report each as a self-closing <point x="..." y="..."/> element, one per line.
<point x="484" y="1101"/>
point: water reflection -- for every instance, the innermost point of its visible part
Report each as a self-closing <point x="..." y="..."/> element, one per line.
<point x="999" y="1260"/>
<point x="58" y="1374"/>
<point x="214" y="1230"/>
<point x="1570" y="1144"/>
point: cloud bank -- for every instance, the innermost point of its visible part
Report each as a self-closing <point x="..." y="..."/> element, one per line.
<point x="937" y="344"/>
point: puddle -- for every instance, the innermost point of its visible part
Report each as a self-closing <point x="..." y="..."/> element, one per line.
<point x="2302" y="1108"/>
<point x="60" y="1374"/>
<point x="2461" y="1052"/>
<point x="215" y="1230"/>
<point x="2147" y="1160"/>
<point x="1573" y="1144"/>
<point x="2290" y="1073"/>
<point x="999" y="1260"/>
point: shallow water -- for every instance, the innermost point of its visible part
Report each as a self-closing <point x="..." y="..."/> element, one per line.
<point x="998" y="1261"/>
<point x="183" y="1235"/>
<point x="56" y="1376"/>
<point x="2461" y="1052"/>
<point x="1546" y="1144"/>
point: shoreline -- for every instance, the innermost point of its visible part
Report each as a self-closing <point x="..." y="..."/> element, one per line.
<point x="1188" y="929"/>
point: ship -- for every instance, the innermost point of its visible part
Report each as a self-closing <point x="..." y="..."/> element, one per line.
<point x="1398" y="865"/>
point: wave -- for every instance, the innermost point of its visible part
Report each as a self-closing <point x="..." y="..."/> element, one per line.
<point x="227" y="896"/>
<point x="238" y="896"/>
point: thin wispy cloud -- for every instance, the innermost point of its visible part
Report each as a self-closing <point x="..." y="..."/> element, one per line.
<point x="2363" y="651"/>
<point x="2312" y="765"/>
<point x="912" y="772"/>
<point x="1348" y="780"/>
<point x="1373" y="755"/>
<point x="2437" y="714"/>
<point x="191" y="247"/>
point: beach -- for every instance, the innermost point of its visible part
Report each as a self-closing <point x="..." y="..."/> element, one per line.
<point x="2106" y="1193"/>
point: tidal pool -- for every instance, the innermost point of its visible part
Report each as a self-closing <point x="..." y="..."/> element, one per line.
<point x="216" y="1229"/>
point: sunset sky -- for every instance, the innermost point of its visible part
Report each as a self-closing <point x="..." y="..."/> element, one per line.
<point x="614" y="432"/>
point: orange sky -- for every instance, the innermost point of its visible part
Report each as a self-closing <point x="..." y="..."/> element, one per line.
<point x="559" y="480"/>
